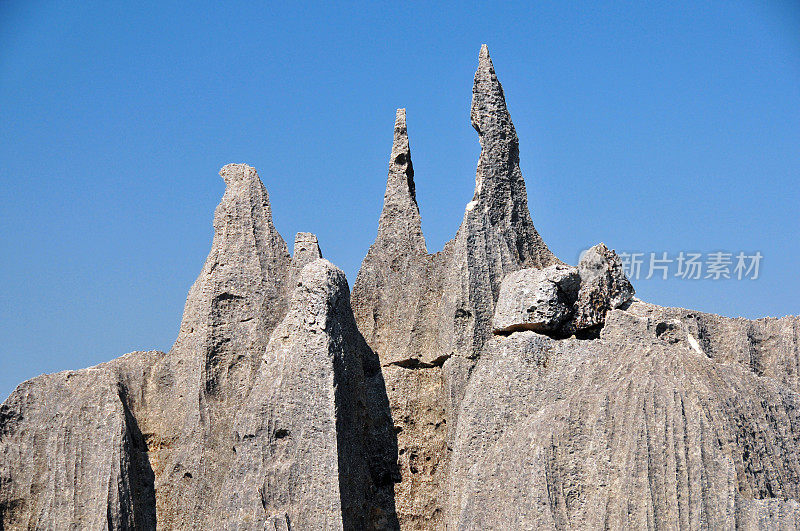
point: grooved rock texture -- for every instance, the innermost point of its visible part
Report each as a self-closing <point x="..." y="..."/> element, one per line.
<point x="228" y="430"/>
<point x="238" y="299"/>
<point x="428" y="316"/>
<point x="302" y="436"/>
<point x="72" y="454"/>
<point x="281" y="406"/>
<point x="641" y="428"/>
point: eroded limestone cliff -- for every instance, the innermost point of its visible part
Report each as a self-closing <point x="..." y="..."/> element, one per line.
<point x="486" y="386"/>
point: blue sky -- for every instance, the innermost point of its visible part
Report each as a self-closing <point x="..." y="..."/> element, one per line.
<point x="664" y="127"/>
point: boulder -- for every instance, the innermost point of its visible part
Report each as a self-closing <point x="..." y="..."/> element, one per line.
<point x="536" y="299"/>
<point x="604" y="287"/>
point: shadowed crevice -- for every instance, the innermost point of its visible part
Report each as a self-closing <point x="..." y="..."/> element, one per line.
<point x="142" y="478"/>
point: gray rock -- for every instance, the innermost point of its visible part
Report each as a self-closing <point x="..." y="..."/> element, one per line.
<point x="306" y="250"/>
<point x="604" y="287"/>
<point x="238" y="299"/>
<point x="396" y="297"/>
<point x="536" y="299"/>
<point x="300" y="437"/>
<point x="72" y="454"/>
<point x="272" y="411"/>
<point x="633" y="429"/>
<point x="428" y="316"/>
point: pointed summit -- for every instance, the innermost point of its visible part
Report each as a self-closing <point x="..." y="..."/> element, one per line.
<point x="243" y="278"/>
<point x="396" y="259"/>
<point x="501" y="200"/>
<point x="306" y="250"/>
<point x="489" y="114"/>
<point x="400" y="220"/>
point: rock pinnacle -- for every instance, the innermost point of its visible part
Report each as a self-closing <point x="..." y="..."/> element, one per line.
<point x="400" y="220"/>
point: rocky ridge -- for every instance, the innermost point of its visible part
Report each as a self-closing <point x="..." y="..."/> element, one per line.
<point x="488" y="385"/>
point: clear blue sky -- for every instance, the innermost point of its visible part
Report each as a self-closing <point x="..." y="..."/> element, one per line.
<point x="666" y="127"/>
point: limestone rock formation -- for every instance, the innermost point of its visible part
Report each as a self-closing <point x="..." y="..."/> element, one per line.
<point x="238" y="299"/>
<point x="427" y="316"/>
<point x="72" y="454"/>
<point x="281" y="406"/>
<point x="604" y="287"/>
<point x="300" y="441"/>
<point x="643" y="427"/>
<point x="561" y="300"/>
<point x="151" y="439"/>
<point x="536" y="299"/>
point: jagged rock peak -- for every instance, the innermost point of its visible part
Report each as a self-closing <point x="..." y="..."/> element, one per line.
<point x="488" y="101"/>
<point x="239" y="296"/>
<point x="306" y="250"/>
<point x="400" y="219"/>
<point x="501" y="200"/>
<point x="238" y="173"/>
<point x="248" y="260"/>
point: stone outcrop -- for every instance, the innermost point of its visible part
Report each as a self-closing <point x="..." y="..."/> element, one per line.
<point x="604" y="287"/>
<point x="236" y="302"/>
<point x="486" y="386"/>
<point x="561" y="300"/>
<point x="72" y="454"/>
<point x="166" y="439"/>
<point x="306" y="250"/>
<point x="536" y="299"/>
<point x="301" y="439"/>
<point x="642" y="427"/>
<point x="428" y="316"/>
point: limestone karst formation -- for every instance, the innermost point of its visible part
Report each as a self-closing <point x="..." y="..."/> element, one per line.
<point x="486" y="386"/>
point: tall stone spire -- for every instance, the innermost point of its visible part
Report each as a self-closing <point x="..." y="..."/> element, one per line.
<point x="400" y="222"/>
<point x="500" y="199"/>
<point x="232" y="311"/>
<point x="497" y="235"/>
<point x="428" y="316"/>
<point x="233" y="306"/>
<point x="398" y="253"/>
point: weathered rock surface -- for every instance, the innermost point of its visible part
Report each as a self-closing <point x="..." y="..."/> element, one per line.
<point x="151" y="439"/>
<point x="536" y="299"/>
<point x="306" y="250"/>
<point x="637" y="429"/>
<point x="238" y="299"/>
<point x="302" y="436"/>
<point x="428" y="316"/>
<point x="563" y="300"/>
<point x="72" y="454"/>
<point x="282" y="407"/>
<point x="604" y="287"/>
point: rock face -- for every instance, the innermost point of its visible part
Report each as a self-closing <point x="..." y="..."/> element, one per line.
<point x="301" y="439"/>
<point x="427" y="316"/>
<point x="306" y="250"/>
<point x="72" y="454"/>
<point x="646" y="426"/>
<point x="536" y="299"/>
<point x="230" y="429"/>
<point x="236" y="302"/>
<point x="486" y="386"/>
<point x="561" y="300"/>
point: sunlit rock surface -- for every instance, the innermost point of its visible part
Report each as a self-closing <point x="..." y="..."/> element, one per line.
<point x="486" y="386"/>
